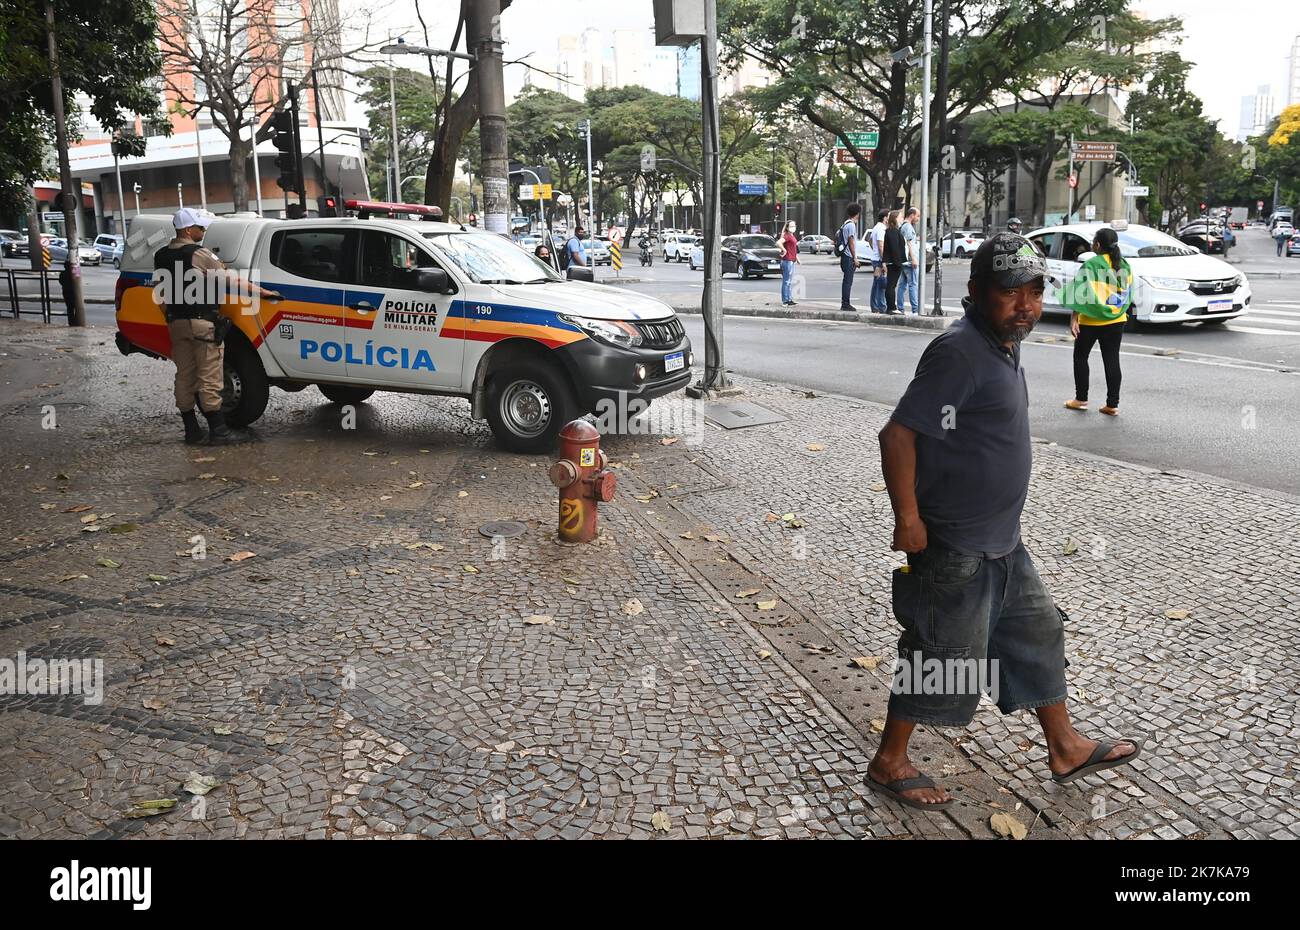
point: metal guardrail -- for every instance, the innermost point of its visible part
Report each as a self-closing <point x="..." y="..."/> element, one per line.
<point x="47" y="283"/>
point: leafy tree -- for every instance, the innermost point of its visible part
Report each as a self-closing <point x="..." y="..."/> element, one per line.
<point x="107" y="51"/>
<point x="416" y="96"/>
<point x="541" y="128"/>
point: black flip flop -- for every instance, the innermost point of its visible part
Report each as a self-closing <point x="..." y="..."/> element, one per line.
<point x="1098" y="761"/>
<point x="894" y="790"/>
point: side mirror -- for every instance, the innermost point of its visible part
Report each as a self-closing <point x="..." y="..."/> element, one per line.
<point x="1085" y="256"/>
<point x="581" y="273"/>
<point x="432" y="279"/>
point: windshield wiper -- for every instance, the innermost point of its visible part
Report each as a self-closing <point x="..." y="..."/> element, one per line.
<point x="499" y="281"/>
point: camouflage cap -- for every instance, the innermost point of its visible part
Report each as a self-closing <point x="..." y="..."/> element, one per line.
<point x="1008" y="260"/>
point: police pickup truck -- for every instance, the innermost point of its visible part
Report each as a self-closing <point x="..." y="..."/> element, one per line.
<point x="413" y="306"/>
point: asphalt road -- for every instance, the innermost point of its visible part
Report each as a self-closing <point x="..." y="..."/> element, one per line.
<point x="1224" y="404"/>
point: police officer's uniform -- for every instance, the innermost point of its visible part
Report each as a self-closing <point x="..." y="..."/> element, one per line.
<point x="196" y="327"/>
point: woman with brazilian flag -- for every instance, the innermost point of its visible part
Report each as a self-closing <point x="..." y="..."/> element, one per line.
<point x="1099" y="296"/>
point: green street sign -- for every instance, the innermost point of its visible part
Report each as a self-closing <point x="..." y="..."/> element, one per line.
<point x="862" y="139"/>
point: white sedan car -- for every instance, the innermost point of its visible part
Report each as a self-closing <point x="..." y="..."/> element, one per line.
<point x="960" y="244"/>
<point x="1175" y="283"/>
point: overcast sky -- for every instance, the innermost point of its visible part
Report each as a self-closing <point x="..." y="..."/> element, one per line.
<point x="1235" y="45"/>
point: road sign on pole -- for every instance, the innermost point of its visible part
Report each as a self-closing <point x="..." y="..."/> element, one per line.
<point x="863" y="139"/>
<point x="1137" y="190"/>
<point x="526" y="192"/>
<point x="1095" y="151"/>
<point x="615" y="256"/>
<point x="752" y="184"/>
<point x="1090" y="212"/>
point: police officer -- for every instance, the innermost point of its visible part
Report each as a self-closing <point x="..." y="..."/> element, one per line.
<point x="185" y="272"/>
<point x="1014" y="225"/>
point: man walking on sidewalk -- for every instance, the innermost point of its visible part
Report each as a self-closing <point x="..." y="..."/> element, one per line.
<point x="907" y="284"/>
<point x="956" y="457"/>
<point x="846" y="247"/>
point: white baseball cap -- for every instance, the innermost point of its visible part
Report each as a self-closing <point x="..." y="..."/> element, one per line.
<point x="185" y="218"/>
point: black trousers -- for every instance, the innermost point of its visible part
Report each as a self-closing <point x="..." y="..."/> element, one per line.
<point x="891" y="287"/>
<point x="1108" y="337"/>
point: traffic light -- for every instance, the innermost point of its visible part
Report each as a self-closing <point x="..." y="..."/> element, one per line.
<point x="777" y="208"/>
<point x="327" y="206"/>
<point x="282" y="124"/>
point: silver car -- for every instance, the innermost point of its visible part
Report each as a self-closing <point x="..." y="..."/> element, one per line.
<point x="87" y="254"/>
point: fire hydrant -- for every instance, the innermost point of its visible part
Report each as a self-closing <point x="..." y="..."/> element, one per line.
<point x="582" y="478"/>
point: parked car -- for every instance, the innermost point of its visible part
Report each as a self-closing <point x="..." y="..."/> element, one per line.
<point x="9" y="239"/>
<point x="598" y="251"/>
<point x="87" y="254"/>
<point x="751" y="254"/>
<point x="1293" y="245"/>
<point x="959" y="244"/>
<point x="106" y="244"/>
<point x="817" y="245"/>
<point x="1201" y="236"/>
<point x="1175" y="282"/>
<point x="677" y="246"/>
<point x="696" y="255"/>
<point x="1285" y="228"/>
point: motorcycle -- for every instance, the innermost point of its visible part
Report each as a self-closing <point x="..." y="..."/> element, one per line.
<point x="647" y="256"/>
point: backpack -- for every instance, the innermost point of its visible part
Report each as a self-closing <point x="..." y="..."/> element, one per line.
<point x="841" y="243"/>
<point x="562" y="256"/>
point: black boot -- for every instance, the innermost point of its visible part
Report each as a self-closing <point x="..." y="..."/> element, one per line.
<point x="219" y="434"/>
<point x="193" y="432"/>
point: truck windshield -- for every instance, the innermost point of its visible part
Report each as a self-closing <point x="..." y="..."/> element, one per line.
<point x="488" y="259"/>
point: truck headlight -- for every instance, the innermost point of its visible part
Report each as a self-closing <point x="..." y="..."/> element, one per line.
<point x="1168" y="284"/>
<point x="615" y="332"/>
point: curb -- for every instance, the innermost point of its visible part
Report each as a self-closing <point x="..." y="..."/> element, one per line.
<point x="871" y="319"/>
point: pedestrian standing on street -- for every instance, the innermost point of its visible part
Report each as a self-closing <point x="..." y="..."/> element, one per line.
<point x="907" y="283"/>
<point x="956" y="456"/>
<point x="1099" y="298"/>
<point x="789" y="258"/>
<point x="185" y="274"/>
<point x="894" y="258"/>
<point x="1280" y="237"/>
<point x="575" y="248"/>
<point x="846" y="247"/>
<point x="1229" y="240"/>
<point x="878" y="303"/>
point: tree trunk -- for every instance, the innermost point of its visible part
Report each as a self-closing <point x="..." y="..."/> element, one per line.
<point x="239" y="152"/>
<point x="441" y="170"/>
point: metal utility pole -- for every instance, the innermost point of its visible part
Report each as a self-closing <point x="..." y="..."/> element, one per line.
<point x="136" y="187"/>
<point x="320" y="140"/>
<point x="257" y="172"/>
<point x="715" y="373"/>
<point x="392" y="112"/>
<point x="485" y="38"/>
<point x="71" y="265"/>
<point x="940" y="212"/>
<point x="585" y="126"/>
<point x="1069" y="217"/>
<point x="198" y="144"/>
<point x="121" y="201"/>
<point x="925" y="144"/>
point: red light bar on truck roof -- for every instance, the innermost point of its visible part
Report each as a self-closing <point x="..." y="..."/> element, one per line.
<point x="365" y="208"/>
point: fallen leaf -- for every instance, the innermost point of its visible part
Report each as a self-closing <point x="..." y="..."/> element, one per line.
<point x="152" y="704"/>
<point x="766" y="605"/>
<point x="80" y="508"/>
<point x="878" y="726"/>
<point x="791" y="521"/>
<point x="204" y="458"/>
<point x="90" y="518"/>
<point x="62" y="477"/>
<point x="661" y="822"/>
<point x="1006" y="825"/>
<point x="715" y="537"/>
<point x="392" y="571"/>
<point x="878" y="486"/>
<point x="816" y="447"/>
<point x="540" y="620"/>
<point x="275" y="739"/>
<point x="818" y="648"/>
<point x="48" y="506"/>
<point x="471" y="569"/>
<point x="200" y="784"/>
<point x="685" y="535"/>
<point x="124" y="528"/>
<point x="771" y="517"/>
<point x="157" y="577"/>
<point x="207" y="474"/>
<point x="1178" y="614"/>
<point x="107" y="563"/>
<point x="1071" y="546"/>
<point x="750" y="593"/>
<point x="462" y="493"/>
<point x="240" y="556"/>
<point x="415" y="484"/>
<point x="223" y="730"/>
<point x="569" y="580"/>
<point x="867" y="662"/>
<point x="72" y="577"/>
<point x="92" y="528"/>
<point x="150" y="808"/>
<point x="164" y="641"/>
<point x="669" y="440"/>
<point x="764" y="654"/>
<point x="385" y="497"/>
<point x="633" y="607"/>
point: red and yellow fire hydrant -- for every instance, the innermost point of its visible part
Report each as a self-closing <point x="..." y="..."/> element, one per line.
<point x="582" y="478"/>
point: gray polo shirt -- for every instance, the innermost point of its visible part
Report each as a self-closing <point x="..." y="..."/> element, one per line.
<point x="969" y="406"/>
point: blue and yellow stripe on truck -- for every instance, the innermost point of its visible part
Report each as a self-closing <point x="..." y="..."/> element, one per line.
<point x="141" y="320"/>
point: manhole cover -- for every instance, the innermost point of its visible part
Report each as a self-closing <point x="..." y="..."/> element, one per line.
<point x="505" y="528"/>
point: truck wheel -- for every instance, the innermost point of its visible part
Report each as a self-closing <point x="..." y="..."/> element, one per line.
<point x="341" y="394"/>
<point x="528" y="405"/>
<point x="246" y="391"/>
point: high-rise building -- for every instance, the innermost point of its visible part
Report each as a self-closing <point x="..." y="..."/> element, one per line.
<point x="1291" y="93"/>
<point x="1257" y="111"/>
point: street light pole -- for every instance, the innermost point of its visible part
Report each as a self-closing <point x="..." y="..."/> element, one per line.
<point x="484" y="36"/>
<point x="942" y="204"/>
<point x="121" y="200"/>
<point x="591" y="203"/>
<point x="392" y="110"/>
<point x="198" y="144"/>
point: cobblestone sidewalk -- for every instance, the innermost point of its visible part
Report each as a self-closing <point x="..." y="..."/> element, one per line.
<point x="378" y="667"/>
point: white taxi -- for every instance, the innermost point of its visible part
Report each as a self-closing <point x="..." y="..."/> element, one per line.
<point x="414" y="306"/>
<point x="1175" y="283"/>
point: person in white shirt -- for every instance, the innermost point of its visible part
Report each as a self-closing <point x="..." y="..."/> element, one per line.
<point x="877" y="266"/>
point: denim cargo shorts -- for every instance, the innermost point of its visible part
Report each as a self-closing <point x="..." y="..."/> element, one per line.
<point x="991" y="626"/>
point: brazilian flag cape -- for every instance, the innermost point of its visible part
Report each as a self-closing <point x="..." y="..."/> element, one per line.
<point x="1097" y="291"/>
